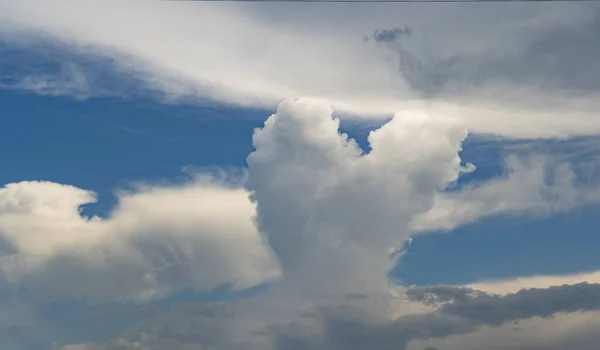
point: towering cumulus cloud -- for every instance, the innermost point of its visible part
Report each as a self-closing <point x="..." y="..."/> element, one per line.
<point x="330" y="212"/>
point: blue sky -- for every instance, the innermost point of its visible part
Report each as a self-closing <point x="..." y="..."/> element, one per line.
<point x="163" y="266"/>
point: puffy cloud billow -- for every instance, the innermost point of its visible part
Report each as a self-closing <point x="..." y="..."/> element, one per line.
<point x="157" y="241"/>
<point x="330" y="212"/>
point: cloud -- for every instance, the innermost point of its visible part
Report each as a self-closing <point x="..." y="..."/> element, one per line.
<point x="494" y="310"/>
<point x="264" y="53"/>
<point x="20" y="324"/>
<point x="330" y="210"/>
<point x="71" y="81"/>
<point x="176" y="53"/>
<point x="344" y="326"/>
<point x="390" y="35"/>
<point x="534" y="330"/>
<point x="551" y="56"/>
<point x="514" y="285"/>
<point x="320" y="198"/>
<point x="157" y="241"/>
<point x="573" y="330"/>
<point x="118" y="344"/>
<point x="537" y="185"/>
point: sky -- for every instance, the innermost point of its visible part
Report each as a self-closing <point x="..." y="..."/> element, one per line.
<point x="286" y="176"/>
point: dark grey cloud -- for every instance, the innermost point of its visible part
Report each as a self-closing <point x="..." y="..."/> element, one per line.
<point x="565" y="57"/>
<point x="464" y="311"/>
<point x="493" y="310"/>
<point x="442" y="294"/>
<point x="348" y="327"/>
<point x="424" y="74"/>
<point x="558" y="58"/>
<point x="204" y="325"/>
<point x="390" y="35"/>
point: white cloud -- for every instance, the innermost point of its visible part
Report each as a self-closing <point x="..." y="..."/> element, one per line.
<point x="514" y="285"/>
<point x="330" y="212"/>
<point x="524" y="191"/>
<point x="260" y="54"/>
<point x="157" y="241"/>
<point x="72" y="81"/>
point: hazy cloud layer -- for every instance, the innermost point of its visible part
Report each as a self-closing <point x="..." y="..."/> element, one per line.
<point x="345" y="326"/>
<point x="562" y="331"/>
<point x="518" y="78"/>
<point x="501" y="287"/>
<point x="559" y="57"/>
